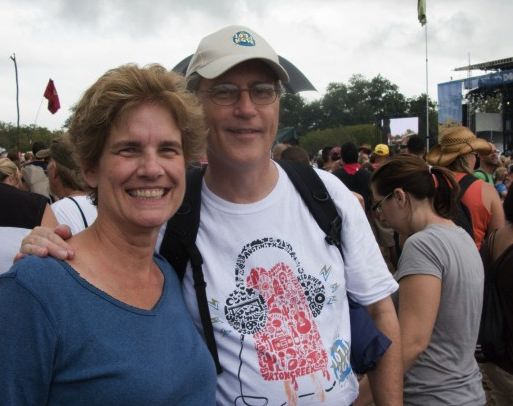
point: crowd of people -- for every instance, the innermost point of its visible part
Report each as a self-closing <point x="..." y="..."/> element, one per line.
<point x="437" y="263"/>
<point x="91" y="313"/>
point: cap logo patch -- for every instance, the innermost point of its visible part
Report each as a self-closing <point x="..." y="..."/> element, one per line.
<point x="244" y="39"/>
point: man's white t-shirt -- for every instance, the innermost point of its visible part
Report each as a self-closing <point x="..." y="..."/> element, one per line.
<point x="10" y="243"/>
<point x="67" y="212"/>
<point x="278" y="295"/>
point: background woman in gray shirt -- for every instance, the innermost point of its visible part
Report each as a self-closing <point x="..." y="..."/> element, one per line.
<point x="440" y="277"/>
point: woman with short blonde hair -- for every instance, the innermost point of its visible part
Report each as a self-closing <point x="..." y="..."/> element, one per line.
<point x="9" y="173"/>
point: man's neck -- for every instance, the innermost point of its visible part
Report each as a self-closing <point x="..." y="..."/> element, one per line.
<point x="245" y="185"/>
<point x="487" y="168"/>
<point x="61" y="191"/>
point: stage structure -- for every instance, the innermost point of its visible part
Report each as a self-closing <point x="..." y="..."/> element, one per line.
<point x="454" y="107"/>
<point x="395" y="130"/>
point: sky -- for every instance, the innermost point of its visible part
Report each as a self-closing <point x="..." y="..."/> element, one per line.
<point x="401" y="126"/>
<point x="75" y="42"/>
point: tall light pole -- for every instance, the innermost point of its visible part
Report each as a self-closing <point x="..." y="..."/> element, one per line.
<point x="13" y="57"/>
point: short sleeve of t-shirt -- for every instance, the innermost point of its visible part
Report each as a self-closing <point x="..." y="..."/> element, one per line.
<point x="368" y="279"/>
<point x="420" y="256"/>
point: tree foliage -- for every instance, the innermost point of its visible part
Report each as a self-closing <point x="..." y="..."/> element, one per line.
<point x="359" y="101"/>
<point x="417" y="107"/>
<point x="347" y="111"/>
<point x="292" y="107"/>
<point x="314" y="140"/>
<point x="12" y="139"/>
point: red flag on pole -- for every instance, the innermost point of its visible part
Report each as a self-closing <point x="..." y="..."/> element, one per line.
<point x="52" y="96"/>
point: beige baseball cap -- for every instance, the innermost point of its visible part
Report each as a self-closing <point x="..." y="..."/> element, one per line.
<point x="223" y="49"/>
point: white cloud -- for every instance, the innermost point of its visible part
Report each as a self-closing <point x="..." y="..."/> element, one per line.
<point x="74" y="42"/>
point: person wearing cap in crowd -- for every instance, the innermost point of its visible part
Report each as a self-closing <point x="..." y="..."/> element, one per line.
<point x="380" y="155"/>
<point x="233" y="69"/>
<point x="254" y="221"/>
<point x="457" y="150"/>
<point x="364" y="149"/>
<point x="34" y="173"/>
<point x="73" y="207"/>
<point x="488" y="163"/>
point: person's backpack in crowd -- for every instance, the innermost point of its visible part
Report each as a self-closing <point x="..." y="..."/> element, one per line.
<point x="463" y="217"/>
<point x="178" y="246"/>
<point x="495" y="342"/>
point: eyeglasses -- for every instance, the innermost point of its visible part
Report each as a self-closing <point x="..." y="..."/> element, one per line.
<point x="377" y="207"/>
<point x="228" y="94"/>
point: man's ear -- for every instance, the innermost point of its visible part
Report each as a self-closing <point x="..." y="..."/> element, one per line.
<point x="53" y="174"/>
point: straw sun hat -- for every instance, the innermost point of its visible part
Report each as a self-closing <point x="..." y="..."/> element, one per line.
<point x="454" y="142"/>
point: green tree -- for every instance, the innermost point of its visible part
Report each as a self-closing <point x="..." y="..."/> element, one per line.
<point x="22" y="140"/>
<point x="335" y="107"/>
<point x="417" y="107"/>
<point x="313" y="115"/>
<point x="361" y="101"/>
<point x="384" y="98"/>
<point x="292" y="112"/>
<point x="314" y="140"/>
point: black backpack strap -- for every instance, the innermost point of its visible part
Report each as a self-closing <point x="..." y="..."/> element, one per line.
<point x="368" y="344"/>
<point x="80" y="210"/>
<point x="464" y="217"/>
<point x="316" y="197"/>
<point x="182" y="228"/>
<point x="465" y="183"/>
<point x="179" y="247"/>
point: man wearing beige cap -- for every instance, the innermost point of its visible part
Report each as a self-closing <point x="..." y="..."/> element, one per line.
<point x="246" y="199"/>
<point x="72" y="206"/>
<point x="277" y="291"/>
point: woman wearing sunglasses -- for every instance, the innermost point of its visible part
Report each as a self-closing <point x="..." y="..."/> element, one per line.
<point x="440" y="277"/>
